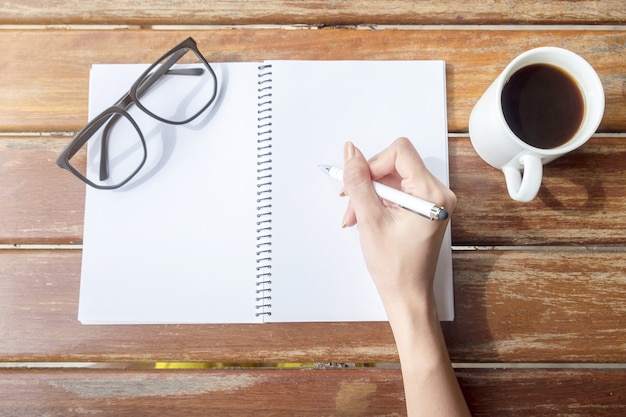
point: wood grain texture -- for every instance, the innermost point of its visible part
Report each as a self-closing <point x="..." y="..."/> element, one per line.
<point x="316" y="392"/>
<point x="537" y="306"/>
<point x="520" y="392"/>
<point x="39" y="202"/>
<point x="511" y="306"/>
<point x="582" y="200"/>
<point x="312" y="12"/>
<point x="56" y="100"/>
<point x="557" y="303"/>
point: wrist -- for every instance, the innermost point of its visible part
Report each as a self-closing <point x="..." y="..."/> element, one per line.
<point x="407" y="295"/>
<point x="417" y="331"/>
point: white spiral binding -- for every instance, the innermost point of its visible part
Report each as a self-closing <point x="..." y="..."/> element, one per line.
<point x="264" y="193"/>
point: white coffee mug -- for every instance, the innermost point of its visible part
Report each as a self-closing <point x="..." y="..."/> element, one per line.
<point x="493" y="136"/>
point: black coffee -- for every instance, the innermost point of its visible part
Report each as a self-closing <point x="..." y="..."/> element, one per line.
<point x="543" y="105"/>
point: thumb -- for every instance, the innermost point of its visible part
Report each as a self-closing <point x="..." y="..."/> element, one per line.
<point x="357" y="184"/>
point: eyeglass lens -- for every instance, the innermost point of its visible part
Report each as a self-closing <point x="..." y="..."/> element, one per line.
<point x="181" y="93"/>
<point x="113" y="153"/>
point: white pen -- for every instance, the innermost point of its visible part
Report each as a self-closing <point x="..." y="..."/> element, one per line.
<point x="422" y="207"/>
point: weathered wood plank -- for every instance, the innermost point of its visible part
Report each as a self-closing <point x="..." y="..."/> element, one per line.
<point x="314" y="12"/>
<point x="202" y="393"/>
<point x="539" y="306"/>
<point x="552" y="305"/>
<point x="39" y="203"/>
<point x="50" y="92"/>
<point x="547" y="392"/>
<point x="517" y="306"/>
<point x="582" y="201"/>
<point x="314" y="392"/>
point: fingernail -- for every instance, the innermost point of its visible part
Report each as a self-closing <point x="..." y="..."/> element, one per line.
<point x="348" y="150"/>
<point x="342" y="193"/>
<point x="344" y="221"/>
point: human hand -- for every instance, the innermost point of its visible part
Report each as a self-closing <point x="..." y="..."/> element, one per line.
<point x="400" y="248"/>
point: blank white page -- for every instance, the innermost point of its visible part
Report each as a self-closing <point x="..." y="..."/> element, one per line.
<point x="318" y="273"/>
<point x="176" y="245"/>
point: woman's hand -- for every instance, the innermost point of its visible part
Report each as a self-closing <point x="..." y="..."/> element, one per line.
<point x="400" y="247"/>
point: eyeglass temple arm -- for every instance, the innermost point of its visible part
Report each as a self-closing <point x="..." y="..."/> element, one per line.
<point x="165" y="68"/>
<point x="126" y="101"/>
<point x="84" y="135"/>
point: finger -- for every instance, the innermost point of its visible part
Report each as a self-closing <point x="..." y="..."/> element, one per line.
<point x="358" y="186"/>
<point x="349" y="217"/>
<point x="401" y="166"/>
<point x="400" y="160"/>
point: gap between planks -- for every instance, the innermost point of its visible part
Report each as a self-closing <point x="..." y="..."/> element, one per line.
<point x="455" y="248"/>
<point x="385" y="365"/>
<point x="372" y="26"/>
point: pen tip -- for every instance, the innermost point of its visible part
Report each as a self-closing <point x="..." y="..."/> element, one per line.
<point x="443" y="214"/>
<point x="325" y="168"/>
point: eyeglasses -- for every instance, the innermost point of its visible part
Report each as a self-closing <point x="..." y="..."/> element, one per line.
<point x="111" y="149"/>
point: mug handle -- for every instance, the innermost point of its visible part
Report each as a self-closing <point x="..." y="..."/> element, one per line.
<point x="524" y="189"/>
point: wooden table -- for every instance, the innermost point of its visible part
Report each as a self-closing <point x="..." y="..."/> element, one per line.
<point x="540" y="287"/>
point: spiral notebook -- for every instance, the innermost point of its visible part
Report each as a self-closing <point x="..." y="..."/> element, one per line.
<point x="231" y="221"/>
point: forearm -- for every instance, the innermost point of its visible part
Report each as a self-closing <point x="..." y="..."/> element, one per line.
<point x="401" y="250"/>
<point x="431" y="388"/>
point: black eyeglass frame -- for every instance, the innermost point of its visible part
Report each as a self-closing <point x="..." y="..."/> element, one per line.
<point x="117" y="110"/>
